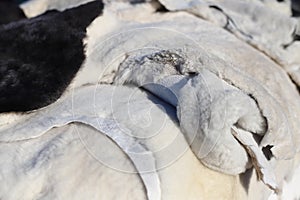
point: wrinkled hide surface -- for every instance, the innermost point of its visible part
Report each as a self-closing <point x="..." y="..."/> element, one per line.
<point x="176" y="99"/>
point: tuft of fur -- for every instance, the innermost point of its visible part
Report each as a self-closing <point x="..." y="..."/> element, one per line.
<point x="39" y="57"/>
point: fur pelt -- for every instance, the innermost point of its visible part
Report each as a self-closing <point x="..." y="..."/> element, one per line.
<point x="40" y="56"/>
<point x="10" y="11"/>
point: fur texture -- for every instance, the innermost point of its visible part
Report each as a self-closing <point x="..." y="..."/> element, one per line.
<point x="39" y="57"/>
<point x="10" y="11"/>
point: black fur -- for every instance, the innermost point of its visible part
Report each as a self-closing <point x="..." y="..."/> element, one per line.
<point x="10" y="11"/>
<point x="295" y="8"/>
<point x="40" y="56"/>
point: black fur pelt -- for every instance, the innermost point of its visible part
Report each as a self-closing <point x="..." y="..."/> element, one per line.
<point x="10" y="11"/>
<point x="39" y="57"/>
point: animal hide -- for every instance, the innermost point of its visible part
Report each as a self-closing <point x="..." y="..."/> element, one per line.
<point x="167" y="105"/>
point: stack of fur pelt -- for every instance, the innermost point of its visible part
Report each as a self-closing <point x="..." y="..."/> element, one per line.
<point x="150" y="99"/>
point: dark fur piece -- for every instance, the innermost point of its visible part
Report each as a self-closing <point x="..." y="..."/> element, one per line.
<point x="295" y="8"/>
<point x="10" y="11"/>
<point x="39" y="57"/>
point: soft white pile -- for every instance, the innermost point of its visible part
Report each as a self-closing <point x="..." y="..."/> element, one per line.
<point x="166" y="106"/>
